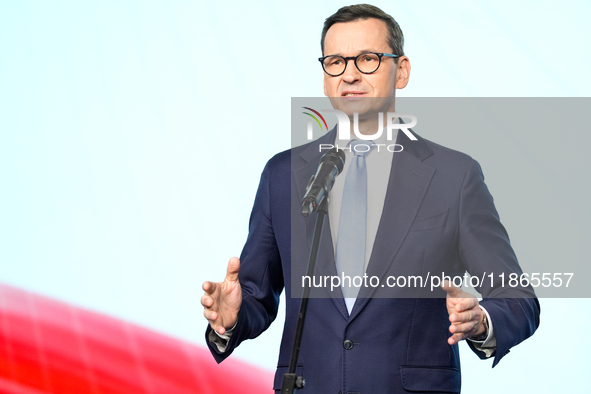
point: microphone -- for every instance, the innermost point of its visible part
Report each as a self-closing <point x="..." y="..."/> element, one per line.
<point x="331" y="165"/>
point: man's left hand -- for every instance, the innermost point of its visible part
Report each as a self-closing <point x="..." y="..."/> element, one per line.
<point x="465" y="315"/>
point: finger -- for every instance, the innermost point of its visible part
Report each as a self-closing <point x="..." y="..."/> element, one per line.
<point x="462" y="328"/>
<point x="456" y="338"/>
<point x="209" y="287"/>
<point x="466" y="304"/>
<point x="207" y="301"/>
<point x="233" y="268"/>
<point x="211" y="316"/>
<point x="452" y="291"/>
<point x="470" y="315"/>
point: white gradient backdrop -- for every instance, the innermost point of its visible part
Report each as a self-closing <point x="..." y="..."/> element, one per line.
<point x="113" y="118"/>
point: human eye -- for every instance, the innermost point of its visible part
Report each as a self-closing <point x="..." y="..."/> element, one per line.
<point x="368" y="57"/>
<point x="335" y="61"/>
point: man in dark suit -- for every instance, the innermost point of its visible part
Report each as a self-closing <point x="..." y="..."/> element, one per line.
<point x="433" y="214"/>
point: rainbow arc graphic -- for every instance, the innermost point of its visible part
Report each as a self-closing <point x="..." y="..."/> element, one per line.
<point x="310" y="133"/>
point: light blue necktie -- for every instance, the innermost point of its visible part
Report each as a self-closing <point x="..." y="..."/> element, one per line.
<point x="350" y="255"/>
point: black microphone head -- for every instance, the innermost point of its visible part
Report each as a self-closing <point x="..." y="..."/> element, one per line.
<point x="331" y="165"/>
<point x="335" y="156"/>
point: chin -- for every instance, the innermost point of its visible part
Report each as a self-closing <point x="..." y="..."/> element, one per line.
<point x="363" y="105"/>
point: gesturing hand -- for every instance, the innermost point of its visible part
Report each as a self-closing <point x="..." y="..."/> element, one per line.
<point x="221" y="301"/>
<point x="465" y="315"/>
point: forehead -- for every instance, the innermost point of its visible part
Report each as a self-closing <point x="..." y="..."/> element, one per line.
<point x="353" y="37"/>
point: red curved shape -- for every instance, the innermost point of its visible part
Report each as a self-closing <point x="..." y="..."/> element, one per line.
<point x="321" y="117"/>
<point x="48" y="346"/>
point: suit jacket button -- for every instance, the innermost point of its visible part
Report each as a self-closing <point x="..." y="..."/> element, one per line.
<point x="348" y="344"/>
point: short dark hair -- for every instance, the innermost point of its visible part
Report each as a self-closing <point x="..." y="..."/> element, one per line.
<point x="356" y="12"/>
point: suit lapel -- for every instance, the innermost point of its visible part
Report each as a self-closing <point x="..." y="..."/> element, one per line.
<point x="408" y="183"/>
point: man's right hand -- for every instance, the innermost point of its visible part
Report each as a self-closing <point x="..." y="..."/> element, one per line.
<point x="221" y="301"/>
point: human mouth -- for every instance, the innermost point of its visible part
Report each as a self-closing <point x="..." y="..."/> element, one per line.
<point x="350" y="94"/>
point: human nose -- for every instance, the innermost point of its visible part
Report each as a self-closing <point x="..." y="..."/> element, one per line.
<point x="351" y="73"/>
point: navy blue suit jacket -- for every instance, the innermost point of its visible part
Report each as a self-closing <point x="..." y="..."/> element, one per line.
<point x="438" y="216"/>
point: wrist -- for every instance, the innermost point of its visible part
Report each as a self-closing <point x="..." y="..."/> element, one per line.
<point x="233" y="326"/>
<point x="482" y="332"/>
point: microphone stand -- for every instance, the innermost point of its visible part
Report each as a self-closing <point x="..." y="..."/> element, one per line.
<point x="291" y="382"/>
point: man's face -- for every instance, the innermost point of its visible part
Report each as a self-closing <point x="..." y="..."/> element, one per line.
<point x="352" y="39"/>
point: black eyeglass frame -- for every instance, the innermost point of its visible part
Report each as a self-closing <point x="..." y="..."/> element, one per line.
<point x="354" y="58"/>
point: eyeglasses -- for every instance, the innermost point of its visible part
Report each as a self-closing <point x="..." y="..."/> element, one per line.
<point x="367" y="63"/>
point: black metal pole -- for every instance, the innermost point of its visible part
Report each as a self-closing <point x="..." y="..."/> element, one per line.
<point x="292" y="382"/>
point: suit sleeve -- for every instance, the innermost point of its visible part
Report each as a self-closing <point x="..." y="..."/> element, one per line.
<point x="485" y="249"/>
<point x="260" y="276"/>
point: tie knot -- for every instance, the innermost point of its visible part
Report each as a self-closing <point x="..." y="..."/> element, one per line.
<point x="361" y="148"/>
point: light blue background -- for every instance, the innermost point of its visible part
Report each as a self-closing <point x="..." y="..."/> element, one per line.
<point x="117" y="122"/>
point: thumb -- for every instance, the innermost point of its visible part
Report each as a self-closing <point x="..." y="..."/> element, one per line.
<point x="233" y="269"/>
<point x="452" y="291"/>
